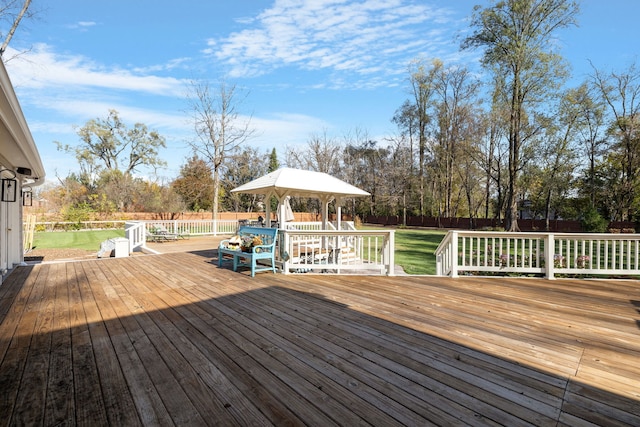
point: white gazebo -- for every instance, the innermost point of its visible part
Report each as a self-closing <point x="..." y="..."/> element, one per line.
<point x="303" y="250"/>
<point x="287" y="182"/>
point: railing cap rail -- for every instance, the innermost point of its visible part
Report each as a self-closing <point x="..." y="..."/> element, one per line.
<point x="337" y="232"/>
<point x="588" y="236"/>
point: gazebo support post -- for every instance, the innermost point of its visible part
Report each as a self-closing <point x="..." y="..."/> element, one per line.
<point x="267" y="210"/>
<point x="325" y="211"/>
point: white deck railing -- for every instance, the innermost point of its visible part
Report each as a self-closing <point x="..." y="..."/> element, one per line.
<point x="332" y="251"/>
<point x="136" y="231"/>
<point x="306" y="248"/>
<point x="546" y="254"/>
<point x="196" y="227"/>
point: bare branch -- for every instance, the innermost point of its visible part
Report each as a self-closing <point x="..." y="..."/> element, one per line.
<point x="14" y="26"/>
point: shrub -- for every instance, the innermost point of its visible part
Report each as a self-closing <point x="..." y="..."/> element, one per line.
<point x="593" y="222"/>
<point x="77" y="214"/>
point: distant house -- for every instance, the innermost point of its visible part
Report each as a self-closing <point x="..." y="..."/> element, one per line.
<point x="20" y="169"/>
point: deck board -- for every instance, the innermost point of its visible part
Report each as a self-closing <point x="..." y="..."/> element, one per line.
<point x="174" y="340"/>
<point x="59" y="407"/>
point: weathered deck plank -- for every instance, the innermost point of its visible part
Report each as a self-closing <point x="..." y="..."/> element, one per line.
<point x="172" y="339"/>
<point x="30" y="351"/>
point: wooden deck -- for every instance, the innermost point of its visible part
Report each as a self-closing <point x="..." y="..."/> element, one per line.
<point x="173" y="340"/>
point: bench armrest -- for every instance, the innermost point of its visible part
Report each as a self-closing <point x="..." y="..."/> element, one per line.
<point x="263" y="248"/>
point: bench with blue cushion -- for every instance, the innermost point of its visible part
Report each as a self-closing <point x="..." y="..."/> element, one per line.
<point x="265" y="251"/>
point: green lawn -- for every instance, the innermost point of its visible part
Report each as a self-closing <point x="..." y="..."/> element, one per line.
<point x="415" y="249"/>
<point x="88" y="240"/>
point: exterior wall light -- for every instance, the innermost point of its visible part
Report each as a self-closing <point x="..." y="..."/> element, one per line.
<point x="27" y="197"/>
<point x="9" y="187"/>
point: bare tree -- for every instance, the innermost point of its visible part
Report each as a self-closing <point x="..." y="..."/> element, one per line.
<point x="321" y="154"/>
<point x="219" y="127"/>
<point x="559" y="153"/>
<point x="401" y="172"/>
<point x="455" y="93"/>
<point x="13" y="11"/>
<point x="422" y="85"/>
<point x="495" y="150"/>
<point x="621" y="93"/>
<point x="592" y="134"/>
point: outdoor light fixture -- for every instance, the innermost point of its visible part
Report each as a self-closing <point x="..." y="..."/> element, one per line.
<point x="24" y="171"/>
<point x="9" y="187"/>
<point x="27" y="197"/>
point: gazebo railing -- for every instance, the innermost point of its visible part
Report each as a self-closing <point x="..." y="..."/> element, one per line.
<point x="317" y="225"/>
<point x="335" y="251"/>
<point x="305" y="249"/>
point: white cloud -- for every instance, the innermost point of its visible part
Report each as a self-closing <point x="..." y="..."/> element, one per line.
<point x="66" y="91"/>
<point x="74" y="89"/>
<point x="354" y="37"/>
<point x="43" y="68"/>
<point x="82" y="25"/>
<point x="75" y="86"/>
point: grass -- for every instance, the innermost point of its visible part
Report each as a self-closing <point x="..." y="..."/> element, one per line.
<point x="415" y="249"/>
<point x="88" y="240"/>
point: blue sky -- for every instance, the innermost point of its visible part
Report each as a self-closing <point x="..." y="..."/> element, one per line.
<point x="308" y="67"/>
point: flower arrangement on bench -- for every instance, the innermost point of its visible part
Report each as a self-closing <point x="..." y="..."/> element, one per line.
<point x="244" y="243"/>
<point x="249" y="242"/>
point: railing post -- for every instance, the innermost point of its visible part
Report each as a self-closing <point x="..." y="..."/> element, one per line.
<point x="135" y="233"/>
<point x="549" y="252"/>
<point x="390" y="253"/>
<point x="128" y="235"/>
<point x="287" y="255"/>
<point x="454" y="254"/>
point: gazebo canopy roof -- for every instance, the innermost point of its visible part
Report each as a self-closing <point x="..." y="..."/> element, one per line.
<point x="300" y="183"/>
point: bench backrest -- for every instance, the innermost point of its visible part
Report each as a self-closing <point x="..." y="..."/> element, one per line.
<point x="268" y="235"/>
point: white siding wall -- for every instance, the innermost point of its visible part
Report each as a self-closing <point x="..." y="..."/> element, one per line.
<point x="11" y="251"/>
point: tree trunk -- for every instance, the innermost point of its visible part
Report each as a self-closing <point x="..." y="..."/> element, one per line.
<point x="421" y="171"/>
<point x="216" y="192"/>
<point x="547" y="209"/>
<point x="511" y="217"/>
<point x="511" y="214"/>
<point x="471" y="216"/>
<point x="14" y="27"/>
